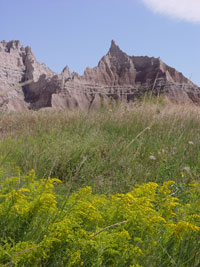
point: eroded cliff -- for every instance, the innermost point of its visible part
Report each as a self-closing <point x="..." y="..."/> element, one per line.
<point x="117" y="76"/>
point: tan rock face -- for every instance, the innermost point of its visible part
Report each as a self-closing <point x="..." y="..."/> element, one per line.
<point x="11" y="73"/>
<point x="17" y="64"/>
<point x="116" y="68"/>
<point x="117" y="77"/>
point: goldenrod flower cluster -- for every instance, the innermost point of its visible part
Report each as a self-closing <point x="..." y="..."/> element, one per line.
<point x="149" y="226"/>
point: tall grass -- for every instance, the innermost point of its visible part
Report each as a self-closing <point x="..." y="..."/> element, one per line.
<point x="110" y="149"/>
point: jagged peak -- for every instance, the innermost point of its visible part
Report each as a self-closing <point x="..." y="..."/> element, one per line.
<point x="7" y="46"/>
<point x="11" y="43"/>
<point x="66" y="71"/>
<point x="113" y="44"/>
<point x="66" y="68"/>
<point x="114" y="49"/>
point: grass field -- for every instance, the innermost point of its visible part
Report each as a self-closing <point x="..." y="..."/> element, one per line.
<point x="111" y="150"/>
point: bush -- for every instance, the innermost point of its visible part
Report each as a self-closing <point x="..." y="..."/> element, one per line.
<point x="148" y="226"/>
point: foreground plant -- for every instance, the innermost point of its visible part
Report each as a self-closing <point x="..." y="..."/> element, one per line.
<point x="149" y="226"/>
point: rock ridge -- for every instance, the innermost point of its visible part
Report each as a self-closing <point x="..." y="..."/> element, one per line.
<point x="116" y="77"/>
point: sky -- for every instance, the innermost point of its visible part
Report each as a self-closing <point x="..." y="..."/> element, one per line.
<point x="78" y="33"/>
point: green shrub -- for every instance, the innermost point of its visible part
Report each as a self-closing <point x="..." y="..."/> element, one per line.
<point x="148" y="226"/>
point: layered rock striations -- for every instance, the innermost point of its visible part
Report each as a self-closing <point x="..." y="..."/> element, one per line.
<point x="11" y="73"/>
<point x="117" y="77"/>
<point x="18" y="65"/>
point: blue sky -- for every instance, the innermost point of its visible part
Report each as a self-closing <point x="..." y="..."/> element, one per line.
<point x="78" y="33"/>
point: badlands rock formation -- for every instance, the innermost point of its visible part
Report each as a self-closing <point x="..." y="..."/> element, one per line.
<point x="117" y="77"/>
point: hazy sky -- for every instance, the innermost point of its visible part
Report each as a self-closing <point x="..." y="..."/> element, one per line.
<point x="78" y="33"/>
